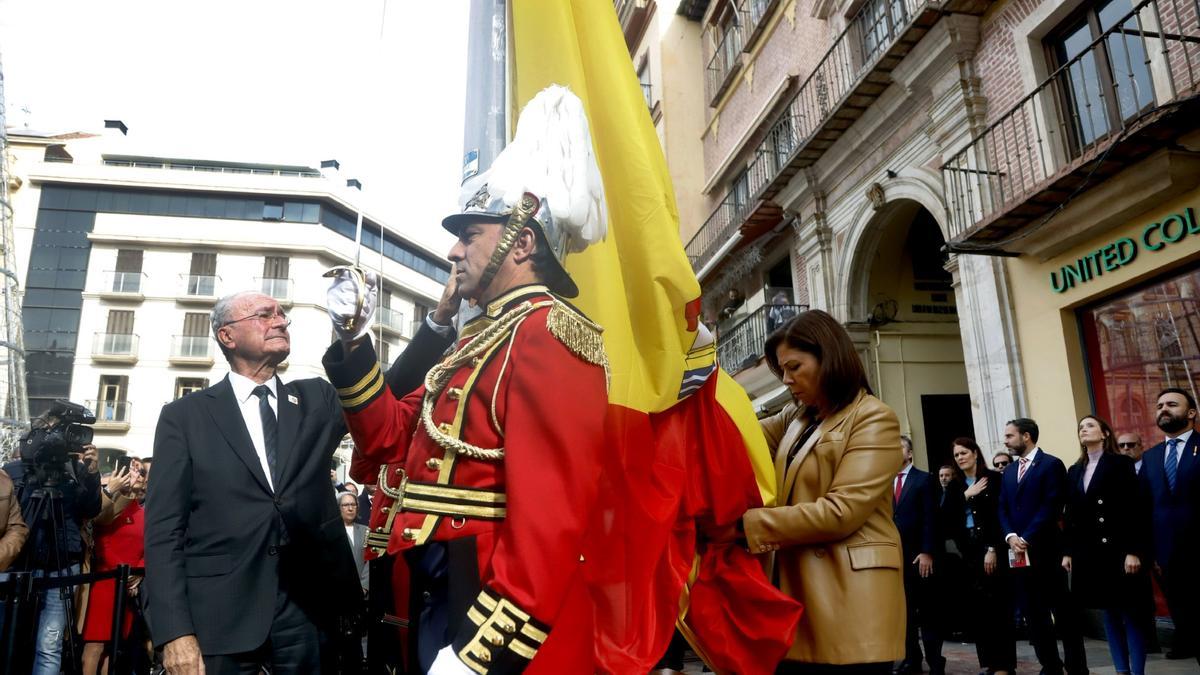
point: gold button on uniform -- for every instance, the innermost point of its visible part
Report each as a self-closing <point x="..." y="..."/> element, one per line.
<point x="444" y="427"/>
<point x="433" y="464"/>
<point x="409" y="534"/>
<point x="454" y="393"/>
<point x="476" y="361"/>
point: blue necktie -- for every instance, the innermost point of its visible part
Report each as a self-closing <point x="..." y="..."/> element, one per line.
<point x="1172" y="463"/>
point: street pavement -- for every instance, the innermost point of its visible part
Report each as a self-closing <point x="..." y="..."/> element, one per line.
<point x="960" y="660"/>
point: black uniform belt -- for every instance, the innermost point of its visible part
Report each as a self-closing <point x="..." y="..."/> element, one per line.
<point x="439" y="500"/>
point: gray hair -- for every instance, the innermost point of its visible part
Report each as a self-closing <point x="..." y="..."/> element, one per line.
<point x="347" y="493"/>
<point x="222" y="314"/>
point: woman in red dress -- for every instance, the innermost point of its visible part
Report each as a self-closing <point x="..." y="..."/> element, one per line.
<point x="118" y="541"/>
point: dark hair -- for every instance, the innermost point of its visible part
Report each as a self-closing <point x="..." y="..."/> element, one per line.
<point x="816" y="332"/>
<point x="1110" y="439"/>
<point x="946" y="466"/>
<point x="1025" y="425"/>
<point x="1191" y="400"/>
<point x="906" y="442"/>
<point x="1006" y="453"/>
<point x="970" y="444"/>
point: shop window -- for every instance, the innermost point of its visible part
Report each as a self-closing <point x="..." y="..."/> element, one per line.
<point x="1139" y="343"/>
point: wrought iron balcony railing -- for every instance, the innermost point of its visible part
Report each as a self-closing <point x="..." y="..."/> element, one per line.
<point x="1048" y="144"/>
<point x="741" y="347"/>
<point x="715" y="231"/>
<point x="725" y="61"/>
<point x="753" y="12"/>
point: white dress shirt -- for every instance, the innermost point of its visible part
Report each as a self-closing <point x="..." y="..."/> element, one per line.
<point x="243" y="393"/>
<point x="350" y="535"/>
<point x="1183" y="440"/>
<point x="903" y="472"/>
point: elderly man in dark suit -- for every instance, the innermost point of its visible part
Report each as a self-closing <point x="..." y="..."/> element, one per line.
<point x="247" y="558"/>
<point x="1171" y="475"/>
<point x="914" y="498"/>
<point x="1031" y="499"/>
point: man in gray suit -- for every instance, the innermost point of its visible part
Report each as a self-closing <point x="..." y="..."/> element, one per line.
<point x="357" y="534"/>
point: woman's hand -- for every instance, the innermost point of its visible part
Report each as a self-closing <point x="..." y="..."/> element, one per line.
<point x="979" y="486"/>
<point x="1133" y="564"/>
<point x="119" y="481"/>
<point x="989" y="562"/>
<point x="1066" y="563"/>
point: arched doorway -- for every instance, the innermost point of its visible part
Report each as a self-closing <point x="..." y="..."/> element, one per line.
<point x="908" y="316"/>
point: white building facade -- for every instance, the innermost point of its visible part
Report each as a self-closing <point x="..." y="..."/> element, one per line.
<point x="123" y="257"/>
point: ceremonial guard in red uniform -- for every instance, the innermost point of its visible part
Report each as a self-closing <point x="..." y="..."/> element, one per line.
<point x="491" y="468"/>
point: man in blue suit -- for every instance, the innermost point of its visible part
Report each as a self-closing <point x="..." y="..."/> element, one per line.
<point x="914" y="498"/>
<point x="1171" y="475"/>
<point x="1030" y="506"/>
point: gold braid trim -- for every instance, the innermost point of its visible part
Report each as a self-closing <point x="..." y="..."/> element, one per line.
<point x="439" y="376"/>
<point x="582" y="336"/>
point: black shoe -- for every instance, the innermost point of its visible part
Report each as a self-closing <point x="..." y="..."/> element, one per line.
<point x="907" y="668"/>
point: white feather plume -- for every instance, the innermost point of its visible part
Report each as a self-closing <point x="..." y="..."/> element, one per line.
<point x="551" y="156"/>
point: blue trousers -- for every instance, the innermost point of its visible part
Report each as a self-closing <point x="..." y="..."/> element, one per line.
<point x="1126" y="641"/>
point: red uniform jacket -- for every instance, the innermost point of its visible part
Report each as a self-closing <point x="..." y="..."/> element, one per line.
<point x="503" y="445"/>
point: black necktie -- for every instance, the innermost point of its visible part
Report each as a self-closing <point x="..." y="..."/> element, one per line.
<point x="270" y="428"/>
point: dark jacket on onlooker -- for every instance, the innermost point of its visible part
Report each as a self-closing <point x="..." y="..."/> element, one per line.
<point x="364" y="508"/>
<point x="915" y="514"/>
<point x="1176" y="522"/>
<point x="12" y="527"/>
<point x="1103" y="524"/>
<point x="985" y="515"/>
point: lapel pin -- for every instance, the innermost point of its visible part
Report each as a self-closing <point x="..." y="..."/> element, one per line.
<point x="293" y="399"/>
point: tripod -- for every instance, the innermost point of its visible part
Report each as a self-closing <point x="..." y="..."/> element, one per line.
<point x="46" y="509"/>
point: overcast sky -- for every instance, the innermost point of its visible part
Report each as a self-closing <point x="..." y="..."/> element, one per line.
<point x="377" y="84"/>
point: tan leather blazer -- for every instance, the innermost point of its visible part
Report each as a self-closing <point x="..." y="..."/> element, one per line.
<point x="12" y="527"/>
<point x="839" y="552"/>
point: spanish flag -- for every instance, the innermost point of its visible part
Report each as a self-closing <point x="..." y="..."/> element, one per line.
<point x="688" y="456"/>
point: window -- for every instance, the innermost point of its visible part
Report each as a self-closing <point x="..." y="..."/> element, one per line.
<point x="193" y="342"/>
<point x="128" y="276"/>
<point x="385" y="353"/>
<point x="187" y="385"/>
<point x="1141" y="342"/>
<point x="111" y="405"/>
<point x="1102" y="83"/>
<point x="879" y="22"/>
<point x="275" y="277"/>
<point x="739" y="190"/>
<point x="203" y="277"/>
<point x="118" y="337"/>
<point x="643" y="75"/>
<point x="272" y="210"/>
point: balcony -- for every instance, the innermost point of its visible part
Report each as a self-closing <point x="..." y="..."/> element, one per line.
<point x="280" y="289"/>
<point x="734" y="218"/>
<point x="391" y="321"/>
<point x="1131" y="92"/>
<point x="111" y="415"/>
<point x="115" y="348"/>
<point x="122" y="286"/>
<point x="192" y="350"/>
<point x="741" y="347"/>
<point x="726" y="61"/>
<point x="198" y="288"/>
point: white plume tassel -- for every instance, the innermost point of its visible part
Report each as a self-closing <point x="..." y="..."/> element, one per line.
<point x="551" y="156"/>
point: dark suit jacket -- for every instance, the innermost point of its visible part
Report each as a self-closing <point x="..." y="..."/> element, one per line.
<point x="214" y="527"/>
<point x="916" y="514"/>
<point x="984" y="514"/>
<point x="1031" y="508"/>
<point x="1104" y="523"/>
<point x="1176" y="515"/>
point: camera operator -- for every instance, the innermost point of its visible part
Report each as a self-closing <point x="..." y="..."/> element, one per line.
<point x="48" y="468"/>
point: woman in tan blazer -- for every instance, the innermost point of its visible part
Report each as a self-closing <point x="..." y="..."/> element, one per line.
<point x="837" y="451"/>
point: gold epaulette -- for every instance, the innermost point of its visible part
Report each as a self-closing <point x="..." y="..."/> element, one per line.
<point x="578" y="333"/>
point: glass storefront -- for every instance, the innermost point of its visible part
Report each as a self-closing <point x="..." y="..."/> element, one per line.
<point x="1140" y="342"/>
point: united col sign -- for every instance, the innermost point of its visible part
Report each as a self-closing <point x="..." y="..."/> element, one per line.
<point x="1154" y="237"/>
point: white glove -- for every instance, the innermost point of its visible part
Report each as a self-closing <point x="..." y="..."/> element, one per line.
<point x="342" y="301"/>
<point x="447" y="663"/>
